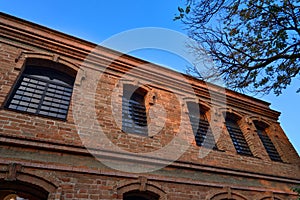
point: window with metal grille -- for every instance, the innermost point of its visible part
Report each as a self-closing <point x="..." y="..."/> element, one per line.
<point x="268" y="144"/>
<point x="200" y="125"/>
<point x="134" y="115"/>
<point x="42" y="91"/>
<point x="237" y="136"/>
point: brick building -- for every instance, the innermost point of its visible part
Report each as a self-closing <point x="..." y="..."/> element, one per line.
<point x="79" y="121"/>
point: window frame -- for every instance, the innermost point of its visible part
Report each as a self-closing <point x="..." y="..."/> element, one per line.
<point x="134" y="104"/>
<point x="200" y="126"/>
<point x="31" y="88"/>
<point x="237" y="136"/>
<point x="267" y="142"/>
<point x="136" y="194"/>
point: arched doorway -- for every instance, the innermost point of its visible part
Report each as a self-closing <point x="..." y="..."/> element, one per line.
<point x="17" y="190"/>
<point x="140" y="195"/>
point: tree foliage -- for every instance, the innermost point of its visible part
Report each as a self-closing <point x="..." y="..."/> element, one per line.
<point x="255" y="44"/>
<point x="297" y="189"/>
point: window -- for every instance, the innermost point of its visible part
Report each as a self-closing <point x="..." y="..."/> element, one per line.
<point x="42" y="91"/>
<point x="138" y="195"/>
<point x="16" y="190"/>
<point x="134" y="115"/>
<point x="200" y="126"/>
<point x="13" y="197"/>
<point x="237" y="135"/>
<point x="269" y="146"/>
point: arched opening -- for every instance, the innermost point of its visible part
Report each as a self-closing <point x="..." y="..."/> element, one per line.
<point x="200" y="125"/>
<point x="134" y="113"/>
<point x="226" y="196"/>
<point x="17" y="190"/>
<point x="140" y="195"/>
<point x="236" y="134"/>
<point x="44" y="88"/>
<point x="39" y="62"/>
<point x="267" y="142"/>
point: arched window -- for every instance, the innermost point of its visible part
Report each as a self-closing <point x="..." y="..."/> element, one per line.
<point x="42" y="91"/>
<point x="17" y="190"/>
<point x="140" y="195"/>
<point x="237" y="135"/>
<point x="200" y="126"/>
<point x="134" y="115"/>
<point x="268" y="144"/>
<point x="270" y="198"/>
<point x="226" y="195"/>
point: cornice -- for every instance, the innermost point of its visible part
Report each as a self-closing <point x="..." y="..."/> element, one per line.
<point x="109" y="173"/>
<point x="13" y="141"/>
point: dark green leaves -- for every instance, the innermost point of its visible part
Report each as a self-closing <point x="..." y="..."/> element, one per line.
<point x="180" y="9"/>
<point x="297" y="189"/>
<point x="182" y="12"/>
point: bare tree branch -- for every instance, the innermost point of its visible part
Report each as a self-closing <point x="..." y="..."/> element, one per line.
<point x="255" y="43"/>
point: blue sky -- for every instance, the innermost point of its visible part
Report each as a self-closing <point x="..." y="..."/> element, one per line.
<point x="98" y="20"/>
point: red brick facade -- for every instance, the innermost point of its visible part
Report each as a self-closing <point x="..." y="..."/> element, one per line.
<point x="89" y="156"/>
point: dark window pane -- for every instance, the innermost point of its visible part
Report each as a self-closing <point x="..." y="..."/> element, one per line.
<point x="268" y="144"/>
<point x="41" y="90"/>
<point x="200" y="125"/>
<point x="31" y="110"/>
<point x="237" y="137"/>
<point x="11" y="106"/>
<point x="134" y="114"/>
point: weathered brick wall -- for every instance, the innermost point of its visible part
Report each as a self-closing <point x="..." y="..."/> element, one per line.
<point x="56" y="131"/>
<point x="55" y="150"/>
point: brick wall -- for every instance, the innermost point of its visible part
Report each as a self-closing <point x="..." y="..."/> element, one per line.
<point x="88" y="156"/>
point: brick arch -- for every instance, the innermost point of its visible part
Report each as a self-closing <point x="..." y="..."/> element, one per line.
<point x="225" y="194"/>
<point x="270" y="198"/>
<point x="230" y="111"/>
<point x="151" y="94"/>
<point x="15" y="177"/>
<point x="204" y="104"/>
<point x="14" y="172"/>
<point x="267" y="196"/>
<point x="135" y="83"/>
<point x="140" y="185"/>
<point x="22" y="189"/>
<point x="259" y="119"/>
<point x="201" y="104"/>
<point x="24" y="56"/>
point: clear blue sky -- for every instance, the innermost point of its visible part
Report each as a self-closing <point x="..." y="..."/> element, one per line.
<point x="97" y="20"/>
